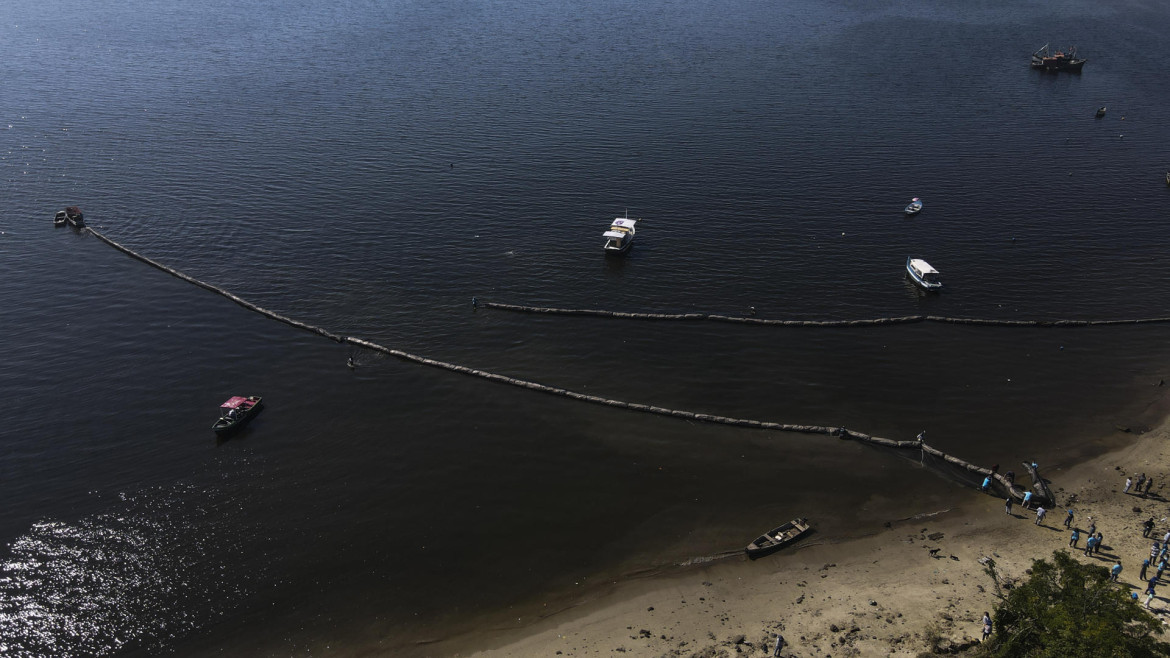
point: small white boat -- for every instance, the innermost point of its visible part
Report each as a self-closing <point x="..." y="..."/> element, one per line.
<point x="915" y="206"/>
<point x="922" y="274"/>
<point x="620" y="235"/>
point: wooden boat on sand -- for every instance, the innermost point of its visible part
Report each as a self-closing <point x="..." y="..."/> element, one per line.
<point x="777" y="538"/>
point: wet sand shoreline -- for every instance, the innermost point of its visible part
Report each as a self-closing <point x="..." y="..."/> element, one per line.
<point x="881" y="594"/>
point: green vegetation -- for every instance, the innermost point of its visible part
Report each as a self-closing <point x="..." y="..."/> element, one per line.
<point x="1069" y="609"/>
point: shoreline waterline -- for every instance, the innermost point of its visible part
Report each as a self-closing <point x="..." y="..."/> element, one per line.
<point x="600" y="621"/>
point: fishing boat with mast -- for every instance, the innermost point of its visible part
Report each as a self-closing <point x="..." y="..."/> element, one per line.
<point x="1061" y="60"/>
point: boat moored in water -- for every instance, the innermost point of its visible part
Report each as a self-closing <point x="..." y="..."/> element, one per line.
<point x="236" y="412"/>
<point x="777" y="538"/>
<point x="922" y="274"/>
<point x="620" y="235"/>
<point x="915" y="206"/>
<point x="1060" y="61"/>
<point x="72" y="215"/>
<point x="1101" y="111"/>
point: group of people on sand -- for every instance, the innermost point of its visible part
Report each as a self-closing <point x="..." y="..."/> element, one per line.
<point x="1159" y="552"/>
<point x="1143" y="485"/>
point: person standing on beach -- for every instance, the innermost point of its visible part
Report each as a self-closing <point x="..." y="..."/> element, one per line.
<point x="1158" y="575"/>
<point x="1076" y="536"/>
<point x="1007" y="505"/>
<point x="1154" y="551"/>
<point x="779" y="645"/>
<point x="986" y="627"/>
<point x="1068" y="519"/>
<point x="1092" y="526"/>
<point x="1149" y="483"/>
<point x="1027" y="500"/>
<point x="1150" y="591"/>
<point x="986" y="483"/>
<point x="1115" y="571"/>
<point x="1040" y="512"/>
<point x="1128" y="484"/>
<point x="1142" y="573"/>
<point x="1140" y="481"/>
<point x="1097" y="544"/>
<point x="1148" y="527"/>
<point x="1090" y="544"/>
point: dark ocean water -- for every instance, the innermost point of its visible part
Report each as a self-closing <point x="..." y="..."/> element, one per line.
<point x="370" y="166"/>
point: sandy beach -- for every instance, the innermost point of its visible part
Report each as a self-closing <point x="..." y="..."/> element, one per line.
<point x="918" y="584"/>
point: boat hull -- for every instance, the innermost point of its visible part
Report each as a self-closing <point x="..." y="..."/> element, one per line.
<point x="1074" y="66"/>
<point x="919" y="280"/>
<point x="1067" y="62"/>
<point x="767" y="543"/>
<point x="226" y="427"/>
<point x="72" y="215"/>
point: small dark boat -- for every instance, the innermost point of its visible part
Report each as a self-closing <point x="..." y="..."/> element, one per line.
<point x="1060" y="61"/>
<point x="777" y="538"/>
<point x="235" y="413"/>
<point x="915" y="206"/>
<point x="1100" y="111"/>
<point x="60" y="218"/>
<point x="74" y="217"/>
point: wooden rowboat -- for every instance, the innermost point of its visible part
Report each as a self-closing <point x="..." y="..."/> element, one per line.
<point x="777" y="538"/>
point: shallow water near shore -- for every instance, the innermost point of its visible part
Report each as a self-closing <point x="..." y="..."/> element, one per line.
<point x="370" y="168"/>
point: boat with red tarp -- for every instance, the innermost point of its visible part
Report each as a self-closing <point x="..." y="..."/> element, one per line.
<point x="235" y="413"/>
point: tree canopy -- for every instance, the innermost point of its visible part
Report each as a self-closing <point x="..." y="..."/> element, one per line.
<point x="1069" y="609"/>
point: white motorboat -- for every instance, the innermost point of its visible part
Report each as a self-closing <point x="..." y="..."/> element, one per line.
<point x="915" y="206"/>
<point x="923" y="274"/>
<point x="620" y="235"/>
